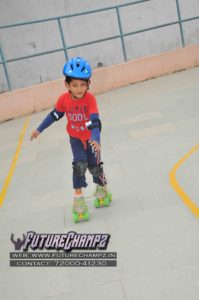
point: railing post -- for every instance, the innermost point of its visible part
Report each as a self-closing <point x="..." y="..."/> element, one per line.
<point x="5" y="69"/>
<point x="62" y="38"/>
<point x="121" y="33"/>
<point x="180" y="23"/>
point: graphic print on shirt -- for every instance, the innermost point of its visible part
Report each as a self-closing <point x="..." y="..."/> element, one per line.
<point x="78" y="115"/>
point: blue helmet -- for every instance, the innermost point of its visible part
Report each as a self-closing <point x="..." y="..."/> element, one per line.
<point x="77" y="67"/>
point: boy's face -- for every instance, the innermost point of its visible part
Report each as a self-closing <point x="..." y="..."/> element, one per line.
<point x="78" y="88"/>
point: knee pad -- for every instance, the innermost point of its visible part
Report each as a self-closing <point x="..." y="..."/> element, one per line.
<point x="96" y="170"/>
<point x="79" y="168"/>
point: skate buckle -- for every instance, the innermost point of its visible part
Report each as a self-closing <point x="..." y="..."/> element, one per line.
<point x="101" y="201"/>
<point x="81" y="216"/>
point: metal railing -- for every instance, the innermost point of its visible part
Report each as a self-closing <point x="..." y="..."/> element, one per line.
<point x="65" y="47"/>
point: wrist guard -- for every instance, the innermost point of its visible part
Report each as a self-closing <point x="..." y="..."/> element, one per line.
<point x="95" y="123"/>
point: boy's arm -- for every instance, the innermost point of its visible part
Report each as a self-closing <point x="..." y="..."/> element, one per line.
<point x="53" y="116"/>
<point x="95" y="126"/>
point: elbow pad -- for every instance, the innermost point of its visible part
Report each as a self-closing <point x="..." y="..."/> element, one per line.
<point x="56" y="115"/>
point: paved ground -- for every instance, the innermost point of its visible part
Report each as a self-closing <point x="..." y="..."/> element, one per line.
<point x="147" y="128"/>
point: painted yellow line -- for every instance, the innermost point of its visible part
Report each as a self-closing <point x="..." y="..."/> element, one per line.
<point x="172" y="176"/>
<point x="14" y="162"/>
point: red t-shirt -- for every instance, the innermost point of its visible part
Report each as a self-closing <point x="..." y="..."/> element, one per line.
<point x="77" y="113"/>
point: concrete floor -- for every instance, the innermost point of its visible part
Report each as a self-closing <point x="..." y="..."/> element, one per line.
<point x="147" y="128"/>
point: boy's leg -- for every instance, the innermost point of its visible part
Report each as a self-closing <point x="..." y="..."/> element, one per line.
<point x="95" y="166"/>
<point x="103" y="197"/>
<point x="79" y="164"/>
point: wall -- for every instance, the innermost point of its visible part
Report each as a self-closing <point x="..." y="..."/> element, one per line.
<point x="36" y="38"/>
<point x="28" y="100"/>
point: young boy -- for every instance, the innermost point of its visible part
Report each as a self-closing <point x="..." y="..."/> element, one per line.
<point x="83" y="127"/>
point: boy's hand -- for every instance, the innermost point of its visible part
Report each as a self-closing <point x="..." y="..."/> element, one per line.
<point x="95" y="145"/>
<point x="34" y="134"/>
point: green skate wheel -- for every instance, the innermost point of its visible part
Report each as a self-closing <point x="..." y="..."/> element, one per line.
<point x="96" y="203"/>
<point x="75" y="217"/>
<point x="79" y="217"/>
<point x="106" y="201"/>
<point x="86" y="216"/>
<point x="101" y="202"/>
<point x="109" y="196"/>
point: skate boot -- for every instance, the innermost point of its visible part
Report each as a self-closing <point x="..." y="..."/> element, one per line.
<point x="80" y="210"/>
<point x="102" y="196"/>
